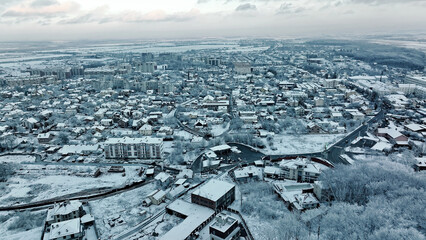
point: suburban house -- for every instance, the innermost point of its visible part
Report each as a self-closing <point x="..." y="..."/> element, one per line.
<point x="296" y="196"/>
<point x="164" y="179"/>
<point x="393" y="135"/>
<point x="248" y="173"/>
<point x="44" y="138"/>
<point x="64" y="211"/>
<point x="146" y="130"/>
<point x="158" y="197"/>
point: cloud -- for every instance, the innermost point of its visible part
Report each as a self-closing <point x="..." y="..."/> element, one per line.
<point x="246" y="7"/>
<point x="229" y="1"/>
<point x="372" y="2"/>
<point x="159" y="16"/>
<point x="95" y="15"/>
<point x="43" y="3"/>
<point x="55" y="9"/>
<point x="100" y="15"/>
<point x="289" y="8"/>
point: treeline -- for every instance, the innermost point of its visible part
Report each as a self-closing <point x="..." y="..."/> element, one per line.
<point x="377" y="53"/>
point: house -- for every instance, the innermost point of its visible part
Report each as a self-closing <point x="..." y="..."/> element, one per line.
<point x="70" y="230"/>
<point x="313" y="128"/>
<point x="150" y="172"/>
<point x="420" y="164"/>
<point x="414" y="127"/>
<point x="123" y="122"/>
<point x="210" y="164"/>
<point x="165" y="130"/>
<point x="185" y="173"/>
<point x="157" y="197"/>
<point x="249" y="119"/>
<point x="176" y="192"/>
<point x="221" y="149"/>
<point x="163" y="179"/>
<point x="224" y="227"/>
<point x="301" y="170"/>
<point x="64" y="211"/>
<point x="199" y="124"/>
<point x="31" y="123"/>
<point x="214" y="194"/>
<point x="296" y="196"/>
<point x="248" y="173"/>
<point x="107" y="122"/>
<point x="146" y="130"/>
<point x="273" y="172"/>
<point x="44" y="138"/>
<point x="305" y="201"/>
<point x="393" y="135"/>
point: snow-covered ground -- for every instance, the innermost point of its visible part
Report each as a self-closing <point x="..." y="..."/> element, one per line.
<point x="219" y="129"/>
<point x="290" y="144"/>
<point x="127" y="205"/>
<point x="183" y="134"/>
<point x="37" y="184"/>
<point x="22" y="225"/>
<point x="16" y="158"/>
<point x="32" y="234"/>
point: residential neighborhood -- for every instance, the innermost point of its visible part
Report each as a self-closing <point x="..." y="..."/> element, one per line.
<point x="209" y="139"/>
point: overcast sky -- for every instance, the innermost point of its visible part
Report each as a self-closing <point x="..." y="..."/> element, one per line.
<point x="33" y="20"/>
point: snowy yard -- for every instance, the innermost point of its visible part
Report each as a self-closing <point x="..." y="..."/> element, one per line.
<point x="125" y="206"/>
<point x="219" y="129"/>
<point x="37" y="183"/>
<point x="22" y="225"/>
<point x="183" y="134"/>
<point x="290" y="144"/>
<point x="16" y="158"/>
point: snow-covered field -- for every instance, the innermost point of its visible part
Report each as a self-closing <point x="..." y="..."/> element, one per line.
<point x="32" y="234"/>
<point x="16" y="158"/>
<point x="183" y="134"/>
<point x="38" y="184"/>
<point x="219" y="129"/>
<point x="21" y="226"/>
<point x="127" y="205"/>
<point x="290" y="144"/>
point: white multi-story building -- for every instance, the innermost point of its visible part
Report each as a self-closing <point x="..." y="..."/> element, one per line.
<point x="301" y="170"/>
<point x="134" y="148"/>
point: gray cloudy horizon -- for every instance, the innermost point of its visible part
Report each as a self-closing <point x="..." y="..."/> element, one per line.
<point x="31" y="20"/>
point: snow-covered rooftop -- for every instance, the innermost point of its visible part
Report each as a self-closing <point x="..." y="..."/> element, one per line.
<point x="66" y="228"/>
<point x="214" y="189"/>
<point x="128" y="140"/>
<point x="196" y="215"/>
